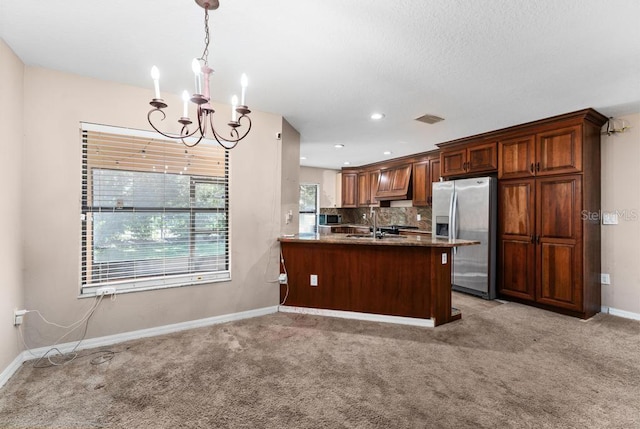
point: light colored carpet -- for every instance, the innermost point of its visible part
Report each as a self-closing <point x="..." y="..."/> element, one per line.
<point x="502" y="365"/>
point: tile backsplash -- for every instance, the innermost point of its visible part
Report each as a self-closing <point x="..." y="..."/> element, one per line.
<point x="385" y="216"/>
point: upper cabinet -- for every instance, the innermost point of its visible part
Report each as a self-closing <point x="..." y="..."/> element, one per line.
<point x="469" y="159"/>
<point x="349" y="189"/>
<point x="556" y="151"/>
<point x="367" y="188"/>
<point x="425" y="172"/>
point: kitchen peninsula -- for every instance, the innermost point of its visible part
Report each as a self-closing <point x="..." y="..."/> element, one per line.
<point x="402" y="279"/>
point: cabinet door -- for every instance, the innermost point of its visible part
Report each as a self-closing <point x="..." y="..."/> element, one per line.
<point x="434" y="167"/>
<point x="453" y="162"/>
<point x="373" y="187"/>
<point x="517" y="157"/>
<point x="421" y="183"/>
<point x="559" y="151"/>
<point x="364" y="190"/>
<point x="401" y="178"/>
<point x="482" y="158"/>
<point x="558" y="253"/>
<point x="349" y="190"/>
<point x="516" y="232"/>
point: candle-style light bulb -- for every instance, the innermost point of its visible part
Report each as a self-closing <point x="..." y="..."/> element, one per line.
<point x="244" y="82"/>
<point x="234" y="105"/>
<point x="185" y="99"/>
<point x="195" y="66"/>
<point x="155" y="75"/>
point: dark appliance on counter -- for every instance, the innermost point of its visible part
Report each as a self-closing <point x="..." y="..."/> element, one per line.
<point x="329" y="219"/>
<point x="466" y="209"/>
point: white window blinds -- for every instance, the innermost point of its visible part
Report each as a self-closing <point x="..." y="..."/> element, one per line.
<point x="155" y="213"/>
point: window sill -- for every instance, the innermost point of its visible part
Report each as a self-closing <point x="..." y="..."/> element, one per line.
<point x="154" y="284"/>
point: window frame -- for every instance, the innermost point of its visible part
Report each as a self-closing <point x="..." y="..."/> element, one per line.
<point x="316" y="210"/>
<point x="89" y="286"/>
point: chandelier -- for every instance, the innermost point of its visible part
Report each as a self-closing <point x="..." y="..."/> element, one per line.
<point x="201" y="98"/>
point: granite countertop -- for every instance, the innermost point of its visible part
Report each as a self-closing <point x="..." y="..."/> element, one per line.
<point x="389" y="240"/>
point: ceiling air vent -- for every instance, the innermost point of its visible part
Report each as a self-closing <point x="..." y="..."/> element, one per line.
<point x="429" y="119"/>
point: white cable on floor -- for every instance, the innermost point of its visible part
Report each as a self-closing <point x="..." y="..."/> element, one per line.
<point x="72" y="355"/>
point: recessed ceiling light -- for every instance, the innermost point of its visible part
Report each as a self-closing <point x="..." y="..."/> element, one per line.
<point x="377" y="116"/>
<point x="338" y="146"/>
<point x="303" y="157"/>
<point x="347" y="163"/>
<point x="387" y="152"/>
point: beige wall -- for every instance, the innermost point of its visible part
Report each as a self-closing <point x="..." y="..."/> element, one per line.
<point x="11" y="124"/>
<point x="57" y="103"/>
<point x="290" y="189"/>
<point x="621" y="192"/>
<point x="327" y="181"/>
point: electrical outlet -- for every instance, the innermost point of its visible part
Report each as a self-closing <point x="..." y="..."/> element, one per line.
<point x="282" y="279"/>
<point x="105" y="291"/>
<point x="18" y="315"/>
<point x="605" y="279"/>
<point x="419" y="218"/>
<point x="313" y="280"/>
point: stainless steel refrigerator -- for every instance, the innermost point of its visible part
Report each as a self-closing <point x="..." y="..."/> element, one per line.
<point x="466" y="209"/>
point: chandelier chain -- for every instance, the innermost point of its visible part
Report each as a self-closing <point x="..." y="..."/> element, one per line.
<point x="205" y="53"/>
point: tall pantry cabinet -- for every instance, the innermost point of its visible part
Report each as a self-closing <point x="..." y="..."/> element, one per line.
<point x="548" y="193"/>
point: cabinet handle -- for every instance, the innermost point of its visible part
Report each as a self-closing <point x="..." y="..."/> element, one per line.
<point x="537" y="166"/>
<point x="531" y="168"/>
<point x="538" y="239"/>
<point x="533" y="239"/>
<point x="464" y="166"/>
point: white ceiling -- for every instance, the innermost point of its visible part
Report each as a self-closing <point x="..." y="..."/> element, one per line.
<point x="326" y="65"/>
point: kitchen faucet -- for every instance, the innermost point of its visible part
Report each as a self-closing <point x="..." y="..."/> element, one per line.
<point x="374" y="223"/>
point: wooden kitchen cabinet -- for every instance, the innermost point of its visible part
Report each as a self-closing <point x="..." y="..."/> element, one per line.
<point x="516" y="234"/>
<point x="517" y="157"/>
<point x="559" y="151"/>
<point x="367" y="188"/>
<point x="349" y="189"/>
<point x="555" y="151"/>
<point x="469" y="159"/>
<point x="374" y="177"/>
<point x="559" y="241"/>
<point x="548" y="242"/>
<point x="425" y="172"/>
<point x="364" y="189"/>
<point x="540" y="235"/>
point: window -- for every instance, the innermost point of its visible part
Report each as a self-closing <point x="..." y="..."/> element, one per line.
<point x="154" y="212"/>
<point x="308" y="209"/>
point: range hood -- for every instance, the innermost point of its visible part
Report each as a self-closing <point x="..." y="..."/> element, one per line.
<point x="394" y="184"/>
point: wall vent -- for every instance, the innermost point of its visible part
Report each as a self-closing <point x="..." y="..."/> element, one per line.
<point x="429" y="119"/>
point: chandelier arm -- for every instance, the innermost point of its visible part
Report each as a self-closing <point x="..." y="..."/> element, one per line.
<point x="221" y="139"/>
<point x="193" y="144"/>
<point x="200" y="128"/>
<point x="182" y="135"/>
<point x="248" y="129"/>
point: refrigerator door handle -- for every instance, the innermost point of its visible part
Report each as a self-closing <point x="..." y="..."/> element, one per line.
<point x="450" y="231"/>
<point x="454" y="219"/>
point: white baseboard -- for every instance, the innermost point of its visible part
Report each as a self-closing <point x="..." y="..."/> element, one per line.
<point x="370" y="317"/>
<point x="11" y="369"/>
<point x="132" y="335"/>
<point x="621" y="313"/>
